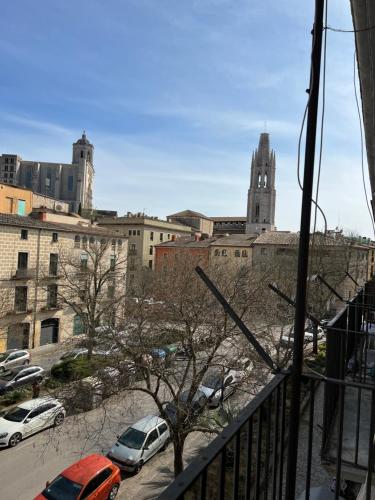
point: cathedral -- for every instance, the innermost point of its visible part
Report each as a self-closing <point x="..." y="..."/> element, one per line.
<point x="261" y="199"/>
<point x="70" y="182"/>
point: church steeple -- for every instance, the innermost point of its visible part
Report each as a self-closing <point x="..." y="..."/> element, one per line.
<point x="262" y="194"/>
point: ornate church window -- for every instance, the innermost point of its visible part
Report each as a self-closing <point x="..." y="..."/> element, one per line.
<point x="265" y="180"/>
<point x="259" y="179"/>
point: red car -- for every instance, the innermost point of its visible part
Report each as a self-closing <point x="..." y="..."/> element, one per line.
<point x="92" y="477"/>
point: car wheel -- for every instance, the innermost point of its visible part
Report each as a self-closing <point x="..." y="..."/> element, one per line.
<point x="165" y="445"/>
<point x="15" y="439"/>
<point x="113" y="492"/>
<point x="26" y="362"/>
<point x="138" y="467"/>
<point x="59" y="419"/>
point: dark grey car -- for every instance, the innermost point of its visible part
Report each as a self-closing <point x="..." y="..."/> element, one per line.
<point x="20" y="376"/>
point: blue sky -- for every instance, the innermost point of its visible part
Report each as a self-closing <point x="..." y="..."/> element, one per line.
<point x="174" y="95"/>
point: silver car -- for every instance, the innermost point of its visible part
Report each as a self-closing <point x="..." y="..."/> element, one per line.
<point x="19" y="376"/>
<point x="14" y="357"/>
<point x="139" y="443"/>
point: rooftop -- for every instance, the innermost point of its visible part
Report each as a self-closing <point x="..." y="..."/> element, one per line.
<point x="189" y="213"/>
<point x="188" y="242"/>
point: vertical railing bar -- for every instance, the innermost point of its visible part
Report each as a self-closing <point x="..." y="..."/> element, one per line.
<point x="339" y="440"/>
<point x="359" y="399"/>
<point x="310" y="438"/>
<point x="258" y="453"/>
<point x="370" y="462"/>
<point x="276" y="445"/>
<point x="268" y="443"/>
<point x="203" y="484"/>
<point x="237" y="445"/>
<point x="222" y="473"/>
<point x="282" y="440"/>
<point x="249" y="456"/>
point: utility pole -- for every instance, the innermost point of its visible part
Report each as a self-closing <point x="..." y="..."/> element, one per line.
<point x="303" y="253"/>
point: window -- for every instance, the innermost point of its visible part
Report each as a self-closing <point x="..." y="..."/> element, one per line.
<point x="134" y="232"/>
<point x="217" y="252"/>
<point x="83" y="261"/>
<point x="237" y="253"/>
<point x="161" y="236"/>
<point x="53" y="260"/>
<point x="150" y="264"/>
<point x="20" y="298"/>
<point x="152" y="437"/>
<point x="11" y="175"/>
<point x="6" y="168"/>
<point x="112" y="264"/>
<point x="130" y="232"/>
<point x="263" y="251"/>
<point x="119" y="244"/>
<point x="70" y="183"/>
<point x="111" y="290"/>
<point x="96" y="482"/>
<point x="11" y="168"/>
<point x="151" y="250"/>
<point x="162" y="428"/>
<point x="265" y="180"/>
<point x="55" y="237"/>
<point x="259" y="179"/>
<point x="138" y="232"/>
<point x="52" y="296"/>
<point x="84" y="242"/>
<point x="133" y="246"/>
<point x="92" y="241"/>
<point x="257" y="210"/>
<point x="81" y="153"/>
<point x="77" y="241"/>
<point x="152" y="236"/>
<point x="244" y="253"/>
<point x="48" y="178"/>
<point x="113" y="243"/>
<point x="28" y="179"/>
<point x="168" y="236"/>
<point x="24" y="234"/>
<point x="78" y="325"/>
<point x="22" y="260"/>
<point x="224" y="253"/>
<point x="9" y="205"/>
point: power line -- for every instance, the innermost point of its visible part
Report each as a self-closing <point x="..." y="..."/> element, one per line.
<point x="339" y="30"/>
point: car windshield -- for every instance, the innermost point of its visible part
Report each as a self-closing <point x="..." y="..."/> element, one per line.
<point x="62" y="488"/>
<point x="3" y="356"/>
<point x="211" y="381"/>
<point x="16" y="415"/>
<point x="8" y="376"/>
<point x="132" y="438"/>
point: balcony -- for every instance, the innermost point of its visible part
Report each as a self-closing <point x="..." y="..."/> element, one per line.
<point x="24" y="274"/>
<point x="248" y="459"/>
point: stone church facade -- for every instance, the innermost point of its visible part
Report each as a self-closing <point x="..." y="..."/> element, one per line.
<point x="261" y="202"/>
<point x="70" y="182"/>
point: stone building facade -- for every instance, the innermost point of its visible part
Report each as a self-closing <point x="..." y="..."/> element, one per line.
<point x="143" y="233"/>
<point x="31" y="312"/>
<point x="70" y="182"/>
<point x="261" y="201"/>
<point x="199" y="222"/>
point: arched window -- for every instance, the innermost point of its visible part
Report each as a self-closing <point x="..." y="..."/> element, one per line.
<point x="84" y="242"/>
<point x="81" y="153"/>
<point x="259" y="179"/>
<point x="265" y="180"/>
<point x="257" y="210"/>
<point x="77" y="241"/>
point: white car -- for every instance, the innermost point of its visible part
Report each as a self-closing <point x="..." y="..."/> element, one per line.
<point x="287" y="340"/>
<point x="28" y="418"/>
<point x="219" y="385"/>
<point x="14" y="357"/>
<point x="139" y="443"/>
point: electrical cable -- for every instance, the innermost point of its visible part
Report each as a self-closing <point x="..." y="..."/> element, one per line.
<point x="339" y="30"/>
<point x="362" y="149"/>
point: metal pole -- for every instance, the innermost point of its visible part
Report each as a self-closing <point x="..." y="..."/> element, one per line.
<point x="303" y="253"/>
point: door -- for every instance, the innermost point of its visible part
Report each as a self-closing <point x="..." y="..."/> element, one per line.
<point x="163" y="434"/>
<point x="14" y="359"/>
<point x="34" y="422"/>
<point x="18" y="336"/>
<point x="49" y="331"/>
<point x="151" y="445"/>
<point x="99" y="486"/>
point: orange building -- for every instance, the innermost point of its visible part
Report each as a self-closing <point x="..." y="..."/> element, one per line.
<point x="193" y="248"/>
<point x="15" y="200"/>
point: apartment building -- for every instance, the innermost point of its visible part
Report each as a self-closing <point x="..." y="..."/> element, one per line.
<point x="31" y="312"/>
<point x="143" y="233"/>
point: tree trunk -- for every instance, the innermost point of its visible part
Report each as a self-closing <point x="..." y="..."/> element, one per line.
<point x="178" y="446"/>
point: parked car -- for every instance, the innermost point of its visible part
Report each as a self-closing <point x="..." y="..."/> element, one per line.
<point x="28" y="418"/>
<point x="91" y="477"/>
<point x="287" y="340"/>
<point x="14" y="357"/>
<point x="219" y="385"/>
<point x="19" y="376"/>
<point x="139" y="443"/>
<point x="189" y="412"/>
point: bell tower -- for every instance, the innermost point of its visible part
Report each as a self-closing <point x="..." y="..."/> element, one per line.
<point x="261" y="199"/>
<point x="83" y="157"/>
